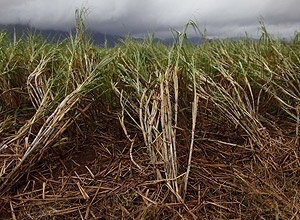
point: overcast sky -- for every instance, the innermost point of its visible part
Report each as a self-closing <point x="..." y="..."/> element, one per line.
<point x="220" y="18"/>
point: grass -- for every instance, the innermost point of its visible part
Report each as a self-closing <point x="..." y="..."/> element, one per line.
<point x="145" y="131"/>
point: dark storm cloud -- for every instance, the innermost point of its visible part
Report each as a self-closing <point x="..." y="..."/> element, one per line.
<point x="219" y="18"/>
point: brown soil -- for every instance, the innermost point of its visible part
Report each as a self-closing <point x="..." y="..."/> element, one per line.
<point x="91" y="176"/>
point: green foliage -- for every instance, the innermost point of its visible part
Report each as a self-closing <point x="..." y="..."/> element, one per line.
<point x="165" y="92"/>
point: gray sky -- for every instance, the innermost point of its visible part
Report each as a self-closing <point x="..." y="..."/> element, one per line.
<point x="220" y="18"/>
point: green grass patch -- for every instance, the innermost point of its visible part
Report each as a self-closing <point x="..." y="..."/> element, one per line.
<point x="144" y="130"/>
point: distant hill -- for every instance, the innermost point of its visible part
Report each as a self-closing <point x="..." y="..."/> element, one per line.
<point x="97" y="37"/>
<point x="56" y="35"/>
